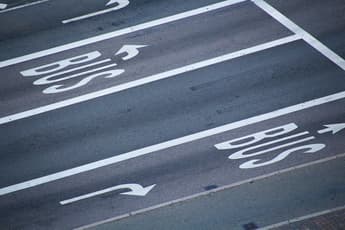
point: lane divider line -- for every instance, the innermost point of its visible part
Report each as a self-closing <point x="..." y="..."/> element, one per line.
<point x="23" y="6"/>
<point x="169" y="144"/>
<point x="120" y="32"/>
<point x="146" y="80"/>
<point x="307" y="37"/>
<point x="219" y="189"/>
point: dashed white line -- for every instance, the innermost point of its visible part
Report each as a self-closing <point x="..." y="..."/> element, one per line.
<point x="120" y="32"/>
<point x="170" y="143"/>
<point x="307" y="37"/>
<point x="146" y="80"/>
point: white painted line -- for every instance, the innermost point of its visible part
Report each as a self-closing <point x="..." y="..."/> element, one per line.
<point x="146" y="80"/>
<point x="3" y="6"/>
<point x="316" y="214"/>
<point x="170" y="143"/>
<point x="120" y="4"/>
<point x="311" y="40"/>
<point x="117" y="33"/>
<point x="23" y="6"/>
<point x="136" y="190"/>
<point x="236" y="184"/>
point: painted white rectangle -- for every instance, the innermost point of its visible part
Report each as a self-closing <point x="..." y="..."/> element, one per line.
<point x="146" y="80"/>
<point x="120" y="32"/>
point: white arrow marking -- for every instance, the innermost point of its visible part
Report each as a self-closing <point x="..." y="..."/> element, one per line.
<point x="131" y="50"/>
<point x="3" y="6"/>
<point x="136" y="190"/>
<point x="120" y="4"/>
<point x="334" y="128"/>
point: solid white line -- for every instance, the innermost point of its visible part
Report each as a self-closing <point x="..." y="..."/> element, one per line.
<point x="236" y="184"/>
<point x="146" y="80"/>
<point x="311" y="40"/>
<point x="23" y="6"/>
<point x="121" y="4"/>
<point x="120" y="32"/>
<point x="316" y="214"/>
<point x="170" y="143"/>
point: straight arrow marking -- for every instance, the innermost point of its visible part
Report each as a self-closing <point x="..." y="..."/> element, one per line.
<point x="334" y="128"/>
<point x="136" y="190"/>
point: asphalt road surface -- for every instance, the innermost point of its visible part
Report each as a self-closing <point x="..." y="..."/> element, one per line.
<point x="110" y="109"/>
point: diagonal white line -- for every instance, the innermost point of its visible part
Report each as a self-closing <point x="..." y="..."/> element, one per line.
<point x="146" y="80"/>
<point x="307" y="37"/>
<point x="170" y="143"/>
<point x="23" y="6"/>
<point x="120" y="32"/>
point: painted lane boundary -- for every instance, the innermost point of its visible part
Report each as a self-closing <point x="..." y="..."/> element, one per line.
<point x="219" y="189"/>
<point x="169" y="144"/>
<point x="23" y="6"/>
<point x="146" y="80"/>
<point x="102" y="37"/>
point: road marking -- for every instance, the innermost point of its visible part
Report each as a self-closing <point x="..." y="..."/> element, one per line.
<point x="136" y="190"/>
<point x="120" y="4"/>
<point x="48" y="80"/>
<point x="130" y="51"/>
<point x="201" y="194"/>
<point x="334" y="128"/>
<point x="146" y="80"/>
<point x="3" y="6"/>
<point x="255" y="144"/>
<point x="81" y="73"/>
<point x="240" y="154"/>
<point x="316" y="214"/>
<point x="120" y="32"/>
<point x="170" y="143"/>
<point x="23" y="6"/>
<point x="311" y="40"/>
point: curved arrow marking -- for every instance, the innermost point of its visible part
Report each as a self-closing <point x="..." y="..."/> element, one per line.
<point x="131" y="50"/>
<point x="120" y="4"/>
<point x="136" y="190"/>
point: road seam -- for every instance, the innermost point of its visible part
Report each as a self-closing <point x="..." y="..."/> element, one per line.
<point x="197" y="195"/>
